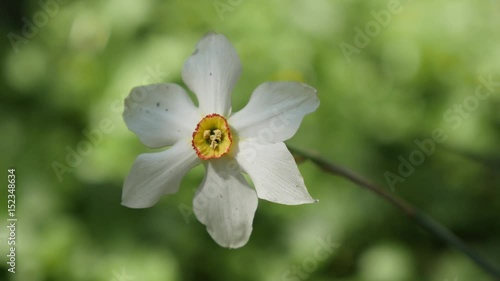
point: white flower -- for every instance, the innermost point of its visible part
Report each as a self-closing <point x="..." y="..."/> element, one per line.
<point x="249" y="141"/>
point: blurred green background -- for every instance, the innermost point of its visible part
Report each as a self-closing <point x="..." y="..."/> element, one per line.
<point x="409" y="68"/>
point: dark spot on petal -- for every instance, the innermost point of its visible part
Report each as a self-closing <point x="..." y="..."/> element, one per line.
<point x="157" y="104"/>
<point x="195" y="52"/>
<point x="147" y="111"/>
<point x="166" y="109"/>
<point x="210" y="73"/>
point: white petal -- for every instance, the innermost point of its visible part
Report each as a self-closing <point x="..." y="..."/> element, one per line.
<point x="211" y="73"/>
<point x="155" y="174"/>
<point x="273" y="172"/>
<point x="226" y="204"/>
<point x="275" y="111"/>
<point x="160" y="114"/>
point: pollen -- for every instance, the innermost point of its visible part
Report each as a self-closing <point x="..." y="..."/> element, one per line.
<point x="212" y="137"/>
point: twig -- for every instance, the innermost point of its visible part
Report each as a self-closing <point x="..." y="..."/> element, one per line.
<point x="414" y="213"/>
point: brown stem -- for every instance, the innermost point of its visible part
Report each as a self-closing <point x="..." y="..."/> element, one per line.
<point x="414" y="213"/>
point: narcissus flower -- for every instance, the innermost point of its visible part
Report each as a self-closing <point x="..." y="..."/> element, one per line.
<point x="249" y="141"/>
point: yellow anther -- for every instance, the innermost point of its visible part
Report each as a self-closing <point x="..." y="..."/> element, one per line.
<point x="206" y="134"/>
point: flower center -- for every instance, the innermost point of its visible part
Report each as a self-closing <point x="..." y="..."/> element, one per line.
<point x="212" y="137"/>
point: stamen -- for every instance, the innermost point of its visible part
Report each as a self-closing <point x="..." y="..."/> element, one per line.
<point x="206" y="134"/>
<point x="217" y="134"/>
